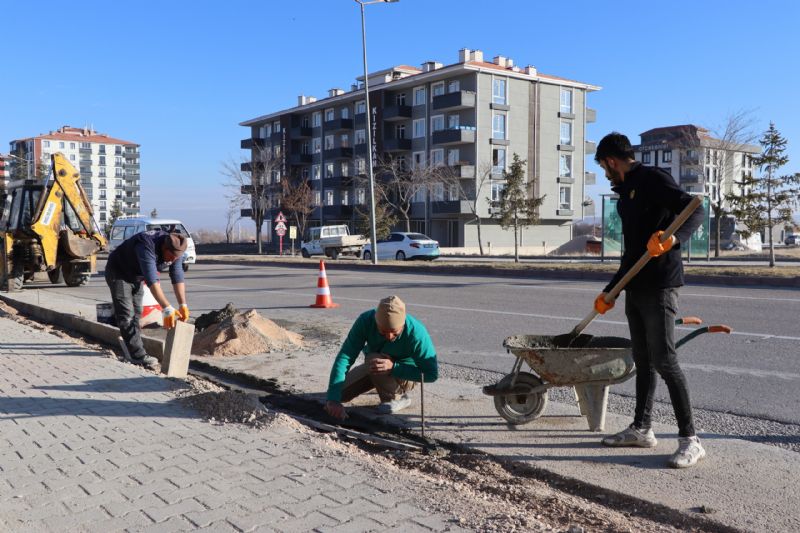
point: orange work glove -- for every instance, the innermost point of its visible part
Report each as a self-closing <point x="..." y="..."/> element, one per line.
<point x="183" y="312"/>
<point x="170" y="317"/>
<point x="600" y="304"/>
<point x="655" y="247"/>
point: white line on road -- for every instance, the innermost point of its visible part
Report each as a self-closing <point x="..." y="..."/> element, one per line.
<point x="715" y="369"/>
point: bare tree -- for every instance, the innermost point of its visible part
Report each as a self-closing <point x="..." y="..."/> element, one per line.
<point x="298" y="198"/>
<point x="231" y="217"/>
<point x="469" y="190"/>
<point x="248" y="183"/>
<point x="385" y="219"/>
<point x="402" y="182"/>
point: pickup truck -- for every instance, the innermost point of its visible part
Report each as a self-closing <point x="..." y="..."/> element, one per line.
<point x="332" y="241"/>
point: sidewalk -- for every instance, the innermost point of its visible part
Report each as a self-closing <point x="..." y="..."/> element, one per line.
<point x="93" y="444"/>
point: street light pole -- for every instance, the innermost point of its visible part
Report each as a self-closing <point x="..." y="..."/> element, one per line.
<point x="370" y="175"/>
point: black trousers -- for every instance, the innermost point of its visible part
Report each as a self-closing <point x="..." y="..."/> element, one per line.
<point x="651" y="318"/>
<point x="127" y="299"/>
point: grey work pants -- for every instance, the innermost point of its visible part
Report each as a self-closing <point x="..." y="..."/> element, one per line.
<point x="127" y="300"/>
<point x="360" y="381"/>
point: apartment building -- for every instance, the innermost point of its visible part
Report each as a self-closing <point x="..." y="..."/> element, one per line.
<point x="699" y="162"/>
<point x="109" y="167"/>
<point x="472" y="116"/>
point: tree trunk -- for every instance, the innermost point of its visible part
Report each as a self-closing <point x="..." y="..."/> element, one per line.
<point x="407" y="220"/>
<point x="718" y="219"/>
<point x="480" y="242"/>
<point x="769" y="219"/>
<point x="516" y="239"/>
<point x="259" y="223"/>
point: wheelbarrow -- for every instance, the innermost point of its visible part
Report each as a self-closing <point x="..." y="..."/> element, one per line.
<point x="590" y="365"/>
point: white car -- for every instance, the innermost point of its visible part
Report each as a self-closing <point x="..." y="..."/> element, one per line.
<point x="125" y="227"/>
<point x="402" y="245"/>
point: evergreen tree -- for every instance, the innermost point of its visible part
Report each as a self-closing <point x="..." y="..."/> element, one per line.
<point x="116" y="212"/>
<point x="767" y="201"/>
<point x="517" y="208"/>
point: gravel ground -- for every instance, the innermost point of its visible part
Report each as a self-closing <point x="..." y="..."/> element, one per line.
<point x="785" y="436"/>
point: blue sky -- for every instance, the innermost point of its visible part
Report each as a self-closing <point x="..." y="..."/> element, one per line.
<point x="177" y="77"/>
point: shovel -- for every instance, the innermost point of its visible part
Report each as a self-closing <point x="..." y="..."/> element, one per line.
<point x="566" y="340"/>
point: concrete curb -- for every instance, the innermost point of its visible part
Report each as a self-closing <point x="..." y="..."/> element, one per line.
<point x="531" y="272"/>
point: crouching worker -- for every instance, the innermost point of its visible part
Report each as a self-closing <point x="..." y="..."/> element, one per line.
<point x="398" y="351"/>
<point x="137" y="259"/>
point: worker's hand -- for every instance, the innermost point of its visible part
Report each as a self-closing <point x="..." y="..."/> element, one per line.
<point x="655" y="247"/>
<point x="600" y="304"/>
<point x="380" y="365"/>
<point x="170" y="317"/>
<point x="336" y="410"/>
<point x="183" y="312"/>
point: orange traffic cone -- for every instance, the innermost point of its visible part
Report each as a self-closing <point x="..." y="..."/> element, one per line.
<point x="323" y="291"/>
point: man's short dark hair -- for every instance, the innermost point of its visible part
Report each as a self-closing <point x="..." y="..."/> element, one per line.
<point x="616" y="145"/>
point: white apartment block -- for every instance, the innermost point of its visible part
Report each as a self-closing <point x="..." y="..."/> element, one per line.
<point x="109" y="167"/>
<point x="698" y="162"/>
<point x="471" y="115"/>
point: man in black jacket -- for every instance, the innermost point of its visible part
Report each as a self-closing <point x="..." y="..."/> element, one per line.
<point x="135" y="261"/>
<point x="649" y="200"/>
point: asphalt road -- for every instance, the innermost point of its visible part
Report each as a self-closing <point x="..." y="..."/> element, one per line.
<point x="754" y="372"/>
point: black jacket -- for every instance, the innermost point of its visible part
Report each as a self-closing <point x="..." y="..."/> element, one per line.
<point x="138" y="258"/>
<point x="649" y="200"/>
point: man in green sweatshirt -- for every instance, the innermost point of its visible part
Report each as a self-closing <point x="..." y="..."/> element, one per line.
<point x="398" y="351"/>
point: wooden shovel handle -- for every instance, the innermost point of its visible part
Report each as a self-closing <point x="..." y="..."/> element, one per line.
<point x="614" y="292"/>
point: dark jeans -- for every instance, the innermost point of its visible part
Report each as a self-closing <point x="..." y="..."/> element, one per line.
<point x="127" y="299"/>
<point x="651" y="318"/>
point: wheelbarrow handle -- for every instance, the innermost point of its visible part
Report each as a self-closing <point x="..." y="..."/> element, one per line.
<point x="689" y="320"/>
<point x="639" y="265"/>
<point x="719" y="328"/>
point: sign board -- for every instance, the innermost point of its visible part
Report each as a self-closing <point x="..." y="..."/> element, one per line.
<point x="280" y="231"/>
<point x="292" y="232"/>
<point x="280" y="217"/>
<point x="280" y="225"/>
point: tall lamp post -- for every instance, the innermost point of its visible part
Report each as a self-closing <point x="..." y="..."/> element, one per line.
<point x="373" y="238"/>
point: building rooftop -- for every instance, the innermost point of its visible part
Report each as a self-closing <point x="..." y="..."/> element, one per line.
<point x="69" y="133"/>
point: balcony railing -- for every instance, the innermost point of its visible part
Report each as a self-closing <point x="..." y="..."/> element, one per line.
<point x="300" y="159"/>
<point x="591" y="115"/>
<point x="464" y="171"/>
<point x="590" y="178"/>
<point x="249" y="144"/>
<point x="453" y="136"/>
<point x="456" y="100"/>
<point x="590" y="147"/>
<point x="251" y="165"/>
<point x="450" y="207"/>
<point x="301" y="132"/>
<point x="397" y="112"/>
<point x="338" y="124"/>
<point x="339" y="153"/>
<point x="396" y="145"/>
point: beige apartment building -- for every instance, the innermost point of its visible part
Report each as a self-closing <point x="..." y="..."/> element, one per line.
<point x="471" y="115"/>
<point x="109" y="167"/>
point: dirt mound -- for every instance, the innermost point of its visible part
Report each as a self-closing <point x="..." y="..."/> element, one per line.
<point x="245" y="333"/>
<point x="214" y="317"/>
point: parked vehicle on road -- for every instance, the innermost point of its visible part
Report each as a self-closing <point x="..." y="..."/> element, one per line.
<point x="402" y="245"/>
<point x="792" y="240"/>
<point x="126" y="227"/>
<point x="332" y="241"/>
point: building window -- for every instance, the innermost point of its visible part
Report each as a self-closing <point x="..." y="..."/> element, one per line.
<point x="497" y="191"/>
<point x="329" y="142"/>
<point x="316" y="145"/>
<point x="316" y="119"/>
<point x="329" y="115"/>
<point x="499" y="126"/>
<point x="453" y="157"/>
<point x="453" y="86"/>
<point x="304" y="122"/>
<point x="499" y="91"/>
<point x="361" y="165"/>
<point x="328" y="170"/>
<point x="437" y="123"/>
<point x="400" y="131"/>
<point x="71" y="146"/>
<point x="565" y="197"/>
<point x="452" y="192"/>
<point x="61" y="145"/>
<point x="103" y="172"/>
<point x="304" y="173"/>
<point x="361" y="107"/>
<point x="305" y="147"/>
<point x="118" y="161"/>
<point x="566" y="133"/>
<point x="437" y="157"/>
<point x="565" y="165"/>
<point x="276" y="126"/>
<point x="344" y="140"/>
<point x="102" y="184"/>
<point x="437" y="194"/>
<point x="328" y="197"/>
<point x="345" y="113"/>
<point x="646" y="158"/>
<point x="46" y="144"/>
<point x="86" y="146"/>
<point x="72" y="157"/>
<point x="667" y="156"/>
<point x="361" y="196"/>
<point x="360" y="136"/>
<point x="118" y="172"/>
<point x="317" y="196"/>
<point x="453" y="122"/>
<point x="566" y="100"/>
<point x="400" y="99"/>
<point x="498" y="160"/>
<point x="419" y="128"/>
<point x="437" y="89"/>
<point x="418" y="159"/>
<point x="345" y="197"/>
<point x="419" y="96"/>
<point x="315" y="170"/>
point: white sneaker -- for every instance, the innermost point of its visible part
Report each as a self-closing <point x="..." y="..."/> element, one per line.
<point x="633" y="437"/>
<point x="689" y="452"/>
<point x="392" y="407"/>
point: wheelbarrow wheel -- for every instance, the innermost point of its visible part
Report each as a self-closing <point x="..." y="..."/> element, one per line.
<point x="521" y="407"/>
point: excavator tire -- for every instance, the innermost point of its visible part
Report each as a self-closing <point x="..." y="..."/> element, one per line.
<point x="72" y="277"/>
<point x="56" y="276"/>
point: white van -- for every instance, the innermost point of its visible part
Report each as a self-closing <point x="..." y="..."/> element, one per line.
<point x="125" y="227"/>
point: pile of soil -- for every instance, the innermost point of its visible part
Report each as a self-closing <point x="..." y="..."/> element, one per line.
<point x="245" y="333"/>
<point x="206" y="320"/>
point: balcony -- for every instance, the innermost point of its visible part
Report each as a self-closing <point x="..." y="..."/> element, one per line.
<point x="396" y="145"/>
<point x="450" y="207"/>
<point x="454" y="136"/>
<point x="251" y="165"/>
<point x="130" y="187"/>
<point x="590" y="178"/>
<point x="339" y="153"/>
<point x="301" y="132"/>
<point x="344" y="211"/>
<point x="249" y="144"/>
<point x="590" y="147"/>
<point x="690" y="177"/>
<point x="276" y="136"/>
<point x="396" y="112"/>
<point x="591" y="115"/>
<point x="337" y="181"/>
<point x="86" y="171"/>
<point x="456" y="100"/>
<point x="300" y="159"/>
<point x="464" y="171"/>
<point x="83" y="150"/>
<point x="339" y="124"/>
<point x="687" y="159"/>
<point x="130" y="210"/>
<point x="131" y="166"/>
<point x="131" y="199"/>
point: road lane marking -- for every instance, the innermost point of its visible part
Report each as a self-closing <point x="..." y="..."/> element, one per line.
<point x="734" y="371"/>
<point x="763" y="336"/>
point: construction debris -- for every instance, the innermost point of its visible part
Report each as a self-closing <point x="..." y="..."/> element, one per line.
<point x="245" y="333"/>
<point x="214" y="317"/>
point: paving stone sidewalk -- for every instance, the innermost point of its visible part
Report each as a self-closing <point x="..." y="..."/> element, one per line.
<point x="88" y="443"/>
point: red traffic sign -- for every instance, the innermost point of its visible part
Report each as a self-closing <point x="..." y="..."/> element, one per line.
<point x="280" y="217"/>
<point x="280" y="231"/>
<point x="280" y="226"/>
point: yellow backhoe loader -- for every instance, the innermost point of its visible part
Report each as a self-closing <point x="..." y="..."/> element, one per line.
<point x="48" y="227"/>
